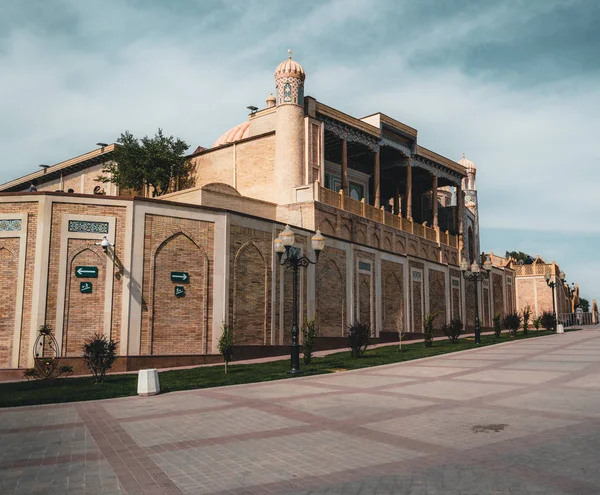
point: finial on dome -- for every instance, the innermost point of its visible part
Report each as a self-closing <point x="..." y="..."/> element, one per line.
<point x="290" y="53"/>
<point x="463" y="153"/>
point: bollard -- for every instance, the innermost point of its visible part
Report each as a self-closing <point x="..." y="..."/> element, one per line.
<point x="560" y="328"/>
<point x="148" y="382"/>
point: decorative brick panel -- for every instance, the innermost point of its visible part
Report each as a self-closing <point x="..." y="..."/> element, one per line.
<point x="498" y="292"/>
<point x="364" y="298"/>
<point x="84" y="313"/>
<point x="331" y="293"/>
<point x="437" y="296"/>
<point x="31" y="208"/>
<point x="250" y="287"/>
<point x="9" y="263"/>
<point x="173" y="325"/>
<point x="58" y="211"/>
<point x="392" y="277"/>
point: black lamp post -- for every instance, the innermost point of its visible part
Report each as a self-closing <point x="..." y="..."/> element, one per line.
<point x="475" y="274"/>
<point x="293" y="259"/>
<point x="552" y="284"/>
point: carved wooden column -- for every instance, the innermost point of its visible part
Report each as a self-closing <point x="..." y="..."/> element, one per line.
<point x="434" y="199"/>
<point x="459" y="214"/>
<point x="408" y="189"/>
<point x="397" y="200"/>
<point x="377" y="174"/>
<point x="345" y="185"/>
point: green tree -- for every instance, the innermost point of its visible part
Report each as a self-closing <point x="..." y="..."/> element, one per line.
<point x="519" y="256"/>
<point x="584" y="304"/>
<point x="158" y="162"/>
<point x="226" y="344"/>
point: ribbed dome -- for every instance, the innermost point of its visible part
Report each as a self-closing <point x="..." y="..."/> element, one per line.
<point x="238" y="132"/>
<point x="290" y="67"/>
<point x="468" y="164"/>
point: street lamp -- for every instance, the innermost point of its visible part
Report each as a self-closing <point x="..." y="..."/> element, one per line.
<point x="293" y="259"/>
<point x="475" y="274"/>
<point x="552" y="284"/>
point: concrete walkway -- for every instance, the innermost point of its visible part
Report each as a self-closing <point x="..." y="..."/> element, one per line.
<point x="518" y="418"/>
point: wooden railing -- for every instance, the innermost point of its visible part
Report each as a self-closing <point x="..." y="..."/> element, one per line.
<point x="361" y="208"/>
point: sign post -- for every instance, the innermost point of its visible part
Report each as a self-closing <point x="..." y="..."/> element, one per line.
<point x="86" y="271"/>
<point x="181" y="277"/>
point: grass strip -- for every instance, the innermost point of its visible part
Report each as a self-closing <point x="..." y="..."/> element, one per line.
<point x="81" y="389"/>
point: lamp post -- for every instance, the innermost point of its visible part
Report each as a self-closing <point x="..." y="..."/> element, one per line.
<point x="552" y="284"/>
<point x="475" y="274"/>
<point x="293" y="259"/>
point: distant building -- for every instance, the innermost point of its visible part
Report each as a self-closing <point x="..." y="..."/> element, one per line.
<point x="392" y="211"/>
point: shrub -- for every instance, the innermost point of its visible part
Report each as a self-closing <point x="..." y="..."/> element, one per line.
<point x="498" y="325"/>
<point x="358" y="338"/>
<point x="526" y="315"/>
<point x="452" y="330"/>
<point x="512" y="321"/>
<point x="537" y="323"/>
<point x="428" y="329"/>
<point x="99" y="353"/>
<point x="309" y="334"/>
<point x="547" y="320"/>
<point x="226" y="344"/>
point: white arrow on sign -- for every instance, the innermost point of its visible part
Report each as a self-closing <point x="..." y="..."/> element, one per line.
<point x="181" y="276"/>
<point x="83" y="271"/>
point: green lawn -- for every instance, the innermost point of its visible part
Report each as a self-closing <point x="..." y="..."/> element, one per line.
<point x="78" y="389"/>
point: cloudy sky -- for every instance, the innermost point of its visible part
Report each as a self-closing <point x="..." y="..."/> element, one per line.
<point x="514" y="83"/>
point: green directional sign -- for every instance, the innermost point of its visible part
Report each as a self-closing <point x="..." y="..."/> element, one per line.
<point x="181" y="277"/>
<point x="85" y="287"/>
<point x="179" y="291"/>
<point x="86" y="271"/>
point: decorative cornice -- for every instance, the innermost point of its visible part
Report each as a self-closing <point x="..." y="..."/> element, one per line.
<point x="349" y="133"/>
<point x="344" y="118"/>
<point x="393" y="144"/>
<point x="441" y="160"/>
<point x="436" y="169"/>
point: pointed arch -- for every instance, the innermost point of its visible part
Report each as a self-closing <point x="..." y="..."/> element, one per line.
<point x="361" y="238"/>
<point x="83" y="312"/>
<point x="326" y="227"/>
<point x="346" y="232"/>
<point x="178" y="251"/>
<point x="387" y="244"/>
<point x="250" y="296"/>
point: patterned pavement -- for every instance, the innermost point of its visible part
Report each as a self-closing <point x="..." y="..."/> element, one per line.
<point x="516" y="418"/>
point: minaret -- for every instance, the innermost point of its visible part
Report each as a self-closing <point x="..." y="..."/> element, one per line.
<point x="289" y="130"/>
<point x="469" y="188"/>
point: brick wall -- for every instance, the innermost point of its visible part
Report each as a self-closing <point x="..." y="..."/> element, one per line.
<point x="254" y="163"/>
<point x="216" y="166"/>
<point x="84" y="312"/>
<point x="364" y="298"/>
<point x="172" y="325"/>
<point x="330" y="292"/>
<point x="392" y="279"/>
<point x="485" y="316"/>
<point x="470" y="303"/>
<point x="9" y="263"/>
<point x="437" y="296"/>
<point x="250" y="287"/>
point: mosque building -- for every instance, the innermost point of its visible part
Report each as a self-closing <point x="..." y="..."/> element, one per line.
<point x="162" y="275"/>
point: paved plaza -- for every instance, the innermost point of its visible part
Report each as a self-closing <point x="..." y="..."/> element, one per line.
<point x="516" y="418"/>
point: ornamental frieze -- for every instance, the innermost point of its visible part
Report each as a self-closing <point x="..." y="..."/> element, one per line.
<point x="87" y="227"/>
<point x="13" y="225"/>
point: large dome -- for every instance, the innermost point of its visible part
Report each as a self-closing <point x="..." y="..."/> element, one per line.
<point x="468" y="164"/>
<point x="290" y="67"/>
<point x="236" y="133"/>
